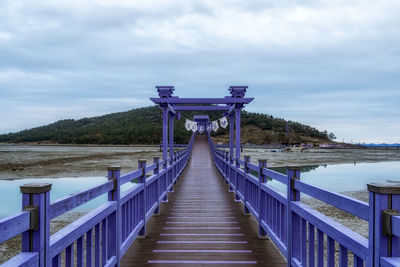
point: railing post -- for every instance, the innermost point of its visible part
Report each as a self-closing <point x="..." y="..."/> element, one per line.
<point x="262" y="163"/>
<point x="142" y="180"/>
<point x="174" y="162"/>
<point x="384" y="201"/>
<point x="230" y="173"/>
<point x="36" y="200"/>
<point x="225" y="162"/>
<point x="245" y="193"/>
<point x="165" y="170"/>
<point x="114" y="222"/>
<point x="156" y="161"/>
<point x="237" y="166"/>
<point x="293" y="220"/>
<point x="171" y="175"/>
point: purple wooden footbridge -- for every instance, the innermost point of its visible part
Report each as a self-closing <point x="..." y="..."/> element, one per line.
<point x="204" y="206"/>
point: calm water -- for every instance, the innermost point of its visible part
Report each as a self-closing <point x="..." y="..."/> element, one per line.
<point x="347" y="177"/>
<point x="11" y="197"/>
<point x="338" y="178"/>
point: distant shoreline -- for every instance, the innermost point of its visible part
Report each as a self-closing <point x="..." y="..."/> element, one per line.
<point x="81" y="145"/>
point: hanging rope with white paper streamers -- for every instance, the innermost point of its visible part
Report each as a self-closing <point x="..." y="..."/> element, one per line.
<point x="223" y="122"/>
<point x="213" y="126"/>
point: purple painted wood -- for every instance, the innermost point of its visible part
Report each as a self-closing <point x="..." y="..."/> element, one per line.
<point x="171" y="134"/>
<point x="303" y="242"/>
<point x="320" y="249"/>
<point x="104" y="241"/>
<point x="225" y="100"/>
<point x="79" y="252"/>
<point x="130" y="176"/>
<point x="68" y="203"/>
<point x="14" y="225"/>
<point x="156" y="172"/>
<point x="56" y="262"/>
<point x="142" y="180"/>
<point x="343" y="257"/>
<point x="89" y="248"/>
<point x="237" y="133"/>
<point x="115" y="222"/>
<point x="340" y="201"/>
<point x="311" y="245"/>
<point x="66" y="236"/>
<point x="343" y="235"/>
<point x="165" y="132"/>
<point x="395" y="227"/>
<point x="23" y="259"/>
<point x="37" y="240"/>
<point x="331" y="251"/>
<point x="97" y="245"/>
<point x="69" y="256"/>
<point x="246" y="187"/>
<point x="293" y="223"/>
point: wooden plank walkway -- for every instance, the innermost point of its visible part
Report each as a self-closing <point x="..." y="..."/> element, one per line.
<point x="202" y="225"/>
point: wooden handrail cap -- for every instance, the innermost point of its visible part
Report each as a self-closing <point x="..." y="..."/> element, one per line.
<point x="388" y="189"/>
<point x="35" y="188"/>
<point x="114" y="168"/>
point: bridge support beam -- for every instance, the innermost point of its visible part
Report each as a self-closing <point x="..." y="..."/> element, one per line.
<point x="171" y="135"/>
<point x="237" y="137"/>
<point x="231" y="135"/>
<point x="165" y="133"/>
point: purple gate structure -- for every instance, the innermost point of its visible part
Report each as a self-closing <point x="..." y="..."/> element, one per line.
<point x="304" y="236"/>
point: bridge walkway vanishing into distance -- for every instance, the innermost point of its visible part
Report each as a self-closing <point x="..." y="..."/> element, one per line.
<point x="202" y="224"/>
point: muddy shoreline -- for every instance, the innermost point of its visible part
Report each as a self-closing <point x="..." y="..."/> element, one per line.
<point x="54" y="161"/>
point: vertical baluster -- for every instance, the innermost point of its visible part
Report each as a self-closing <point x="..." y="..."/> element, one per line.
<point x="311" y="245"/>
<point x="293" y="220"/>
<point x="143" y="208"/>
<point x="320" y="252"/>
<point x="89" y="248"/>
<point x="283" y="226"/>
<point x="79" y="252"/>
<point x="156" y="161"/>
<point x="237" y="167"/>
<point x="304" y="242"/>
<point x="331" y="252"/>
<point x="56" y="262"/>
<point x="262" y="163"/>
<point x="36" y="200"/>
<point x="123" y="222"/>
<point x="114" y="227"/>
<point x="343" y="260"/>
<point x="230" y="174"/>
<point x="358" y="262"/>
<point x="97" y="245"/>
<point x="69" y="256"/>
<point x="104" y="242"/>
<point x="384" y="203"/>
<point x="246" y="187"/>
<point x="165" y="182"/>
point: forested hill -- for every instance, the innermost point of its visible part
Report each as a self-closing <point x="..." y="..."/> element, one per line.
<point x="144" y="126"/>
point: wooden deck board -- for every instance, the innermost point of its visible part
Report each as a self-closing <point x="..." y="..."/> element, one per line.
<point x="202" y="225"/>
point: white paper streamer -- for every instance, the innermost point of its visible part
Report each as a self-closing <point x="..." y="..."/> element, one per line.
<point x="194" y="126"/>
<point x="188" y="125"/>
<point x="214" y="125"/>
<point x="200" y="128"/>
<point x="223" y="122"/>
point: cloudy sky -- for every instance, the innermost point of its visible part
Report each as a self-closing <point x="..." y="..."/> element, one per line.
<point x="332" y="64"/>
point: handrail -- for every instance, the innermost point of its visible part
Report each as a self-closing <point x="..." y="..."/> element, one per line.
<point x="111" y="227"/>
<point x="298" y="230"/>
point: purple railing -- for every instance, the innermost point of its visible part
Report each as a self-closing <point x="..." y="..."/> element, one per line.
<point x="305" y="236"/>
<point x="103" y="235"/>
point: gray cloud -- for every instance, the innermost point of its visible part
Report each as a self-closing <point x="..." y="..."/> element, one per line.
<point x="332" y="64"/>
